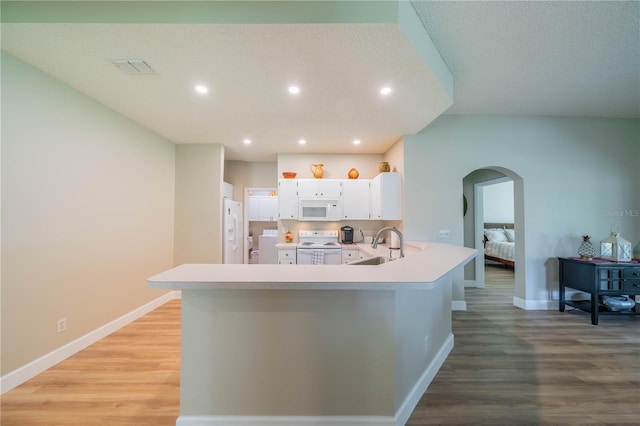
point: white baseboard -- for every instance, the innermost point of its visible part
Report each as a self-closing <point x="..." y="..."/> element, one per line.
<point x="471" y="283"/>
<point x="458" y="305"/>
<point x="401" y="417"/>
<point x="535" y="305"/>
<point x="35" y="367"/>
<point x="409" y="404"/>
<point x="285" y="421"/>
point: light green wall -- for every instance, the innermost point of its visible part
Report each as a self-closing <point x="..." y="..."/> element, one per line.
<point x="87" y="213"/>
<point x="198" y="203"/>
<point x="575" y="173"/>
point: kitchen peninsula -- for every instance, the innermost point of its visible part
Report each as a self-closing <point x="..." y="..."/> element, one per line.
<point x="309" y="344"/>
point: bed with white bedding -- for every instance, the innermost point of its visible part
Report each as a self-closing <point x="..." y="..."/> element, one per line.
<point x="499" y="243"/>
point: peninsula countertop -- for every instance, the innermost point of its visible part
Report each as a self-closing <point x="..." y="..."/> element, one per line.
<point x="424" y="263"/>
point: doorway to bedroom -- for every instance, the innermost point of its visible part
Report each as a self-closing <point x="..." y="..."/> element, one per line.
<point x="498" y="233"/>
<point x="492" y="216"/>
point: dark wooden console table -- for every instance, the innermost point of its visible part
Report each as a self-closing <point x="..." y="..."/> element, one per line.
<point x="599" y="277"/>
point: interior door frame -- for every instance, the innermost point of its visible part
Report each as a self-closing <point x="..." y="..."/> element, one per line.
<point x="478" y="209"/>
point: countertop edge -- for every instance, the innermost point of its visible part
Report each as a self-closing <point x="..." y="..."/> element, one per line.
<point x="420" y="269"/>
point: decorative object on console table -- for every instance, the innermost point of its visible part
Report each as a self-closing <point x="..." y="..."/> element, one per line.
<point x="618" y="303"/>
<point x="615" y="248"/>
<point x="636" y="251"/>
<point x="586" y="249"/>
<point x="317" y="171"/>
<point x="384" y="167"/>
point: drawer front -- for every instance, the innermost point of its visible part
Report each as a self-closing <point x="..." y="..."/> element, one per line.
<point x="631" y="273"/>
<point x="286" y="256"/>
<point x="350" y="255"/>
<point x="631" y="286"/>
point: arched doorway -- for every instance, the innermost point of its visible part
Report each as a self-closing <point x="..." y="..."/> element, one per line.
<point x="473" y="223"/>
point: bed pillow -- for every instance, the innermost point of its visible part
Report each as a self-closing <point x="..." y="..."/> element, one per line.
<point x="496" y="235"/>
<point x="511" y="235"/>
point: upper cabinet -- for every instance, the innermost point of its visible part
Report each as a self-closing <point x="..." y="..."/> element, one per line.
<point x="355" y="199"/>
<point x="262" y="204"/>
<point x="320" y="188"/>
<point x="386" y="196"/>
<point x="288" y="199"/>
<point x="263" y="208"/>
<point x="361" y="199"/>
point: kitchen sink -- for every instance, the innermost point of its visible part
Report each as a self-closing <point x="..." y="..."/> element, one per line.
<point x="377" y="260"/>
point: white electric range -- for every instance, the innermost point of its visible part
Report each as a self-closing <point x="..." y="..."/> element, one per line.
<point x="318" y="248"/>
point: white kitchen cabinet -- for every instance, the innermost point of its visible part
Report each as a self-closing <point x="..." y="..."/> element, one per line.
<point x="386" y="196"/>
<point x="288" y="198"/>
<point x="287" y="256"/>
<point x="320" y="188"/>
<point x="268" y="208"/>
<point x="263" y="208"/>
<point x="355" y="199"/>
<point x="253" y="208"/>
<point x="351" y="254"/>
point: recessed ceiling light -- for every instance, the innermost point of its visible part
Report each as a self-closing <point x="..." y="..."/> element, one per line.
<point x="201" y="89"/>
<point x="247" y="141"/>
<point x="294" y="90"/>
<point x="356" y="141"/>
<point x="385" y="90"/>
<point x="302" y="141"/>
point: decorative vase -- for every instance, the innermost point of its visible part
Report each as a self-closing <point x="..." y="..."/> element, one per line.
<point x="317" y="170"/>
<point x="353" y="173"/>
<point x="636" y="251"/>
<point x="586" y="249"/>
<point x="384" y="167"/>
<point x="288" y="237"/>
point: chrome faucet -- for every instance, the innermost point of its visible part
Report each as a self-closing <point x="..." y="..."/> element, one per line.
<point x="374" y="244"/>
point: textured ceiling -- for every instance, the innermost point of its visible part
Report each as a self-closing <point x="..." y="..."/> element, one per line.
<point x="561" y="58"/>
<point x="550" y="58"/>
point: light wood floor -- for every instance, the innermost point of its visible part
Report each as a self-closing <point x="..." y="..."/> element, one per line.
<point x="508" y="367"/>
<point x="131" y="377"/>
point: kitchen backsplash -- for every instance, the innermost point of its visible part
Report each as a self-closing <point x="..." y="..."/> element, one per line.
<point x="369" y="227"/>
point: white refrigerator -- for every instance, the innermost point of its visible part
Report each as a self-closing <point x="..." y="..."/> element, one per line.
<point x="232" y="241"/>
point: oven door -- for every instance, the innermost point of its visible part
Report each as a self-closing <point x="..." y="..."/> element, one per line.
<point x="309" y="256"/>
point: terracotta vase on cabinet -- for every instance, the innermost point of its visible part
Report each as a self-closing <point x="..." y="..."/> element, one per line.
<point x="317" y="171"/>
<point x="384" y="167"/>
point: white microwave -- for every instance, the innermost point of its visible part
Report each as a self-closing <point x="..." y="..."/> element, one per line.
<point x="317" y="209"/>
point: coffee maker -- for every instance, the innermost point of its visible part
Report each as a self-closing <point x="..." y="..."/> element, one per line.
<point x="347" y="234"/>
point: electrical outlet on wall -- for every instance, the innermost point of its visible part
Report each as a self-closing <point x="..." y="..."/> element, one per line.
<point x="61" y="325"/>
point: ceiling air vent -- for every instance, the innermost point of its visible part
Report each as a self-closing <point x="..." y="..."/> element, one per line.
<point x="134" y="66"/>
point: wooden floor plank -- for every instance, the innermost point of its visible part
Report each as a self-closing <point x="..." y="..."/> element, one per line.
<point x="508" y="367"/>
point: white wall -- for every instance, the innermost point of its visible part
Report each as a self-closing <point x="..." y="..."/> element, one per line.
<point x="497" y="202"/>
<point x="87" y="213"/>
<point x="575" y="173"/>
